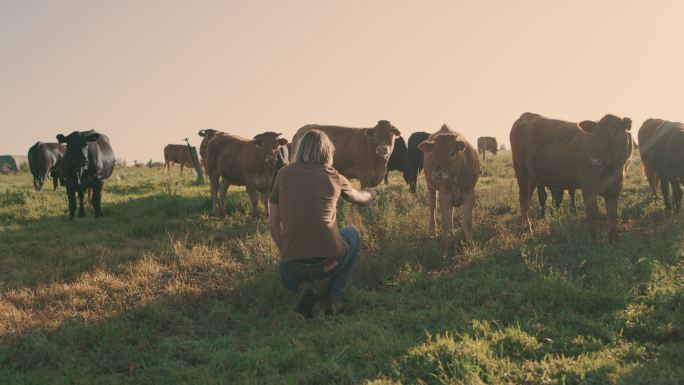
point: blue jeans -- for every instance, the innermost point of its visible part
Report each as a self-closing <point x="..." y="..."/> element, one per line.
<point x="339" y="276"/>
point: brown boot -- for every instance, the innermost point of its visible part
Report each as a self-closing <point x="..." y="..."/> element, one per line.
<point x="306" y="298"/>
<point x="334" y="305"/>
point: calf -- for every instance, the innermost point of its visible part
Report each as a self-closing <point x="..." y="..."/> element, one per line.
<point x="591" y="156"/>
<point x="43" y="161"/>
<point x="452" y="168"/>
<point x="361" y="153"/>
<point x="88" y="162"/>
<point x="177" y="153"/>
<point x="662" y="153"/>
<point x="232" y="160"/>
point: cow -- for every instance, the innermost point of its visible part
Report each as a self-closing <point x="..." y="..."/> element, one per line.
<point x="487" y="143"/>
<point x="662" y="153"/>
<point x="43" y="161"/>
<point x="398" y="160"/>
<point x="177" y="153"/>
<point x="415" y="158"/>
<point x="206" y="135"/>
<point x="360" y="153"/>
<point x="592" y="156"/>
<point x="452" y="167"/>
<point x="88" y="162"/>
<point x="232" y="160"/>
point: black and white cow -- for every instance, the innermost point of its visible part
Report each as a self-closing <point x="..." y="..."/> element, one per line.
<point x="87" y="163"/>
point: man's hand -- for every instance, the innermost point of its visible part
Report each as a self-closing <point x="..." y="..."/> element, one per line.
<point x="362" y="197"/>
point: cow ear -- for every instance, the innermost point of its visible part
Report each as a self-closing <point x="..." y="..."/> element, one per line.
<point x="426" y="146"/>
<point x="396" y="132"/>
<point x="587" y="126"/>
<point x="460" y="145"/>
<point x="627" y="123"/>
<point x="202" y="132"/>
<point x="282" y="142"/>
<point x="61" y="138"/>
<point x="370" y="133"/>
<point x="92" y="137"/>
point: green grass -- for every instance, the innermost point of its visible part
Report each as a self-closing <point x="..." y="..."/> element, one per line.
<point x="160" y="292"/>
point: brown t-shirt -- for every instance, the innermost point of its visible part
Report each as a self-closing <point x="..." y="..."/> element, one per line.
<point x="307" y="197"/>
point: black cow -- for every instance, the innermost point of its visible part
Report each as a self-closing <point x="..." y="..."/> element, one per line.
<point x="43" y="161"/>
<point x="398" y="159"/>
<point x="556" y="198"/>
<point x="415" y="158"/>
<point x="87" y="163"/>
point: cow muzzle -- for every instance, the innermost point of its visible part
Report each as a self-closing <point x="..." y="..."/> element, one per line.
<point x="439" y="175"/>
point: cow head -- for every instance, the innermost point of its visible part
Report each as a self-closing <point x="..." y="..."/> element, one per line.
<point x="446" y="151"/>
<point x="611" y="137"/>
<point x="268" y="144"/>
<point x="208" y="133"/>
<point x="76" y="155"/>
<point x="382" y="138"/>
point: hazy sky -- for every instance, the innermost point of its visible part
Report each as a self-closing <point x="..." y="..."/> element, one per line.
<point x="148" y="73"/>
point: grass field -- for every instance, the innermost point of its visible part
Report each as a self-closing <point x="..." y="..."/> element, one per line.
<point x="160" y="292"/>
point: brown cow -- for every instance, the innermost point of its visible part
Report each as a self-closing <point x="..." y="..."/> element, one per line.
<point x="360" y="153"/>
<point x="451" y="168"/>
<point x="206" y="135"/>
<point x="591" y="156"/>
<point x="232" y="160"/>
<point x="177" y="153"/>
<point x="487" y="143"/>
<point x="662" y="152"/>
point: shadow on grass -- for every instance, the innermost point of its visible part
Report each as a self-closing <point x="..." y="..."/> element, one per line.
<point x="52" y="249"/>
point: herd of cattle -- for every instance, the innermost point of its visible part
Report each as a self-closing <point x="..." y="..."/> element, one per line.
<point x="592" y="156"/>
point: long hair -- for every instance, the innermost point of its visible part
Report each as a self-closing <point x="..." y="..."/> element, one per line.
<point x="315" y="148"/>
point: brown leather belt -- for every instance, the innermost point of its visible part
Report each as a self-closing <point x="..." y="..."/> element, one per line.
<point x="326" y="264"/>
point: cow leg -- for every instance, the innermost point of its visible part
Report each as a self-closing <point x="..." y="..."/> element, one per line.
<point x="652" y="178"/>
<point x="591" y="211"/>
<point x="611" y="211"/>
<point x="252" y="192"/>
<point x="557" y="198"/>
<point x="81" y="210"/>
<point x="55" y="183"/>
<point x="467" y="216"/>
<point x="71" y="195"/>
<point x="181" y="167"/>
<point x="541" y="195"/>
<point x="676" y="193"/>
<point x="665" y="190"/>
<point x="525" y="190"/>
<point x="214" y="187"/>
<point x="96" y="200"/>
<point x="386" y="178"/>
<point x="446" y="210"/>
<point x="573" y="204"/>
<point x="432" y="201"/>
<point x="222" y="198"/>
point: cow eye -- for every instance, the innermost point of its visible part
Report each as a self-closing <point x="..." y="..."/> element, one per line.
<point x="452" y="153"/>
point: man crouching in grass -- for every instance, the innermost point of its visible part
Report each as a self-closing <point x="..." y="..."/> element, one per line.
<point x="302" y="221"/>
